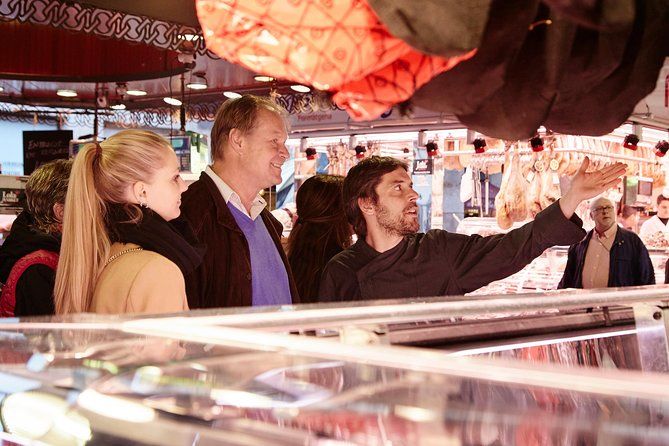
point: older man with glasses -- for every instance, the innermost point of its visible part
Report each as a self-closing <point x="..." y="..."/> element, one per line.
<point x="608" y="256"/>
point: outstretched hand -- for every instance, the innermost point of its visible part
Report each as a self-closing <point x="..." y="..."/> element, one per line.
<point x="585" y="185"/>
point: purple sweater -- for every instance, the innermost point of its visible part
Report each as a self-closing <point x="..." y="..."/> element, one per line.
<point x="269" y="279"/>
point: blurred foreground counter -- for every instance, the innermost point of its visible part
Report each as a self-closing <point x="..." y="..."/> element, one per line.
<point x="556" y="368"/>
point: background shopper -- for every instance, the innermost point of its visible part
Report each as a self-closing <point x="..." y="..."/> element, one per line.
<point x="320" y="232"/>
<point x="29" y="256"/>
<point x="658" y="222"/>
<point x="608" y="256"/>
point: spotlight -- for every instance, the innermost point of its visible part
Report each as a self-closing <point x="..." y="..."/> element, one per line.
<point x="661" y="148"/>
<point x="300" y="88"/>
<point x="67" y="93"/>
<point x="479" y="145"/>
<point x="172" y="101"/>
<point x="118" y="106"/>
<point x="197" y="82"/>
<point x="261" y="78"/>
<point x="311" y="153"/>
<point x="136" y="92"/>
<point x="631" y="141"/>
<point x="189" y="37"/>
<point x="537" y="144"/>
<point x="231" y="95"/>
<point x="360" y="151"/>
<point x="432" y="149"/>
<point x="2" y="89"/>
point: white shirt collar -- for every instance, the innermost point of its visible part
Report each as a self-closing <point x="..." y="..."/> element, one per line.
<point x="230" y="196"/>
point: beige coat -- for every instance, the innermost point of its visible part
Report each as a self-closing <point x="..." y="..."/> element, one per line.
<point x="139" y="282"/>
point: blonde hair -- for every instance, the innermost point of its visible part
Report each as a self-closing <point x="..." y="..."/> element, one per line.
<point x="102" y="173"/>
<point x="242" y="114"/>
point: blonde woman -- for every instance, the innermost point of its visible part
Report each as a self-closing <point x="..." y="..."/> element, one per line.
<point x="122" y="250"/>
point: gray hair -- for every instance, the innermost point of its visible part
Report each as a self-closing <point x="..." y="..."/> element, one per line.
<point x="598" y="200"/>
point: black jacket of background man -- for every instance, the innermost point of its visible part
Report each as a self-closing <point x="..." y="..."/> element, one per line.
<point x="629" y="264"/>
<point x="34" y="290"/>
<point x="439" y="262"/>
<point x="224" y="277"/>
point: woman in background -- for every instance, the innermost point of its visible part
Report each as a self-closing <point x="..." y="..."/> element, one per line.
<point x="320" y="232"/>
<point x="121" y="252"/>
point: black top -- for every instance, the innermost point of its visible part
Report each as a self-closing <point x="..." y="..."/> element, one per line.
<point x="440" y="263"/>
<point x="34" y="290"/>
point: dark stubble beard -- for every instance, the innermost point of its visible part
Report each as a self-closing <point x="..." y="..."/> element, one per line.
<point x="398" y="225"/>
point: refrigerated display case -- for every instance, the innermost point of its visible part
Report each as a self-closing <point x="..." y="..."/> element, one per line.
<point x="561" y="368"/>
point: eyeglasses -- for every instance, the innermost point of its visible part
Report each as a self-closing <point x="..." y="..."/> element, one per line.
<point x="602" y="208"/>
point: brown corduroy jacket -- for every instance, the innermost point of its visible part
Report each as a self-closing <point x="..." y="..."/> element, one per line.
<point x="224" y="277"/>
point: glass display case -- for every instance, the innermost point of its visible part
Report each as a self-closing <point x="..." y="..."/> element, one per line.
<point x="544" y="272"/>
<point x="559" y="368"/>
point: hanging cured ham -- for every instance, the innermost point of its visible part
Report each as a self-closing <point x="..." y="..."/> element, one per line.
<point x="515" y="197"/>
<point x="503" y="219"/>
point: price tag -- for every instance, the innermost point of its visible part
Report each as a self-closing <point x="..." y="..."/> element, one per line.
<point x="556" y="179"/>
<point x="530" y="176"/>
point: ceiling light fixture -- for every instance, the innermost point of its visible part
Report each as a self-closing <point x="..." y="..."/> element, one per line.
<point x="189" y="37"/>
<point x="2" y="88"/>
<point x="231" y="95"/>
<point x="118" y="106"/>
<point x="136" y="92"/>
<point x="67" y="93"/>
<point x="197" y="81"/>
<point x="172" y="101"/>
<point x="262" y="78"/>
<point x="300" y="88"/>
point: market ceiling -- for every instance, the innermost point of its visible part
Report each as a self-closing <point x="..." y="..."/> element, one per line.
<point x="503" y="67"/>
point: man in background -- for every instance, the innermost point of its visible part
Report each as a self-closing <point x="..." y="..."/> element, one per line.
<point x="658" y="222"/>
<point x="608" y="256"/>
<point x="244" y="263"/>
<point x="29" y="256"/>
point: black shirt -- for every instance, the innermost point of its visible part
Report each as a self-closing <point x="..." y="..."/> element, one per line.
<point x="440" y="263"/>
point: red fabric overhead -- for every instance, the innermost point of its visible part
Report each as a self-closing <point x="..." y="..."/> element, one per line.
<point x="46" y="53"/>
<point x="372" y="95"/>
<point x="339" y="46"/>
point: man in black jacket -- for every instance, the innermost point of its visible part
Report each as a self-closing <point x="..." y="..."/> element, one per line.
<point x="36" y="230"/>
<point x="609" y="256"/>
<point x="390" y="259"/>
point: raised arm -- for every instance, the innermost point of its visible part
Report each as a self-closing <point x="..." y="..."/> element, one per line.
<point x="585" y="185"/>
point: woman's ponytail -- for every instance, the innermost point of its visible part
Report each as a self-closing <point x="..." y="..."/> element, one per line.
<point x="85" y="244"/>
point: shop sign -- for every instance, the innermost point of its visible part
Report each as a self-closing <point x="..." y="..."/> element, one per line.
<point x="423" y="167"/>
<point x="9" y="199"/>
<point x="40" y="147"/>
